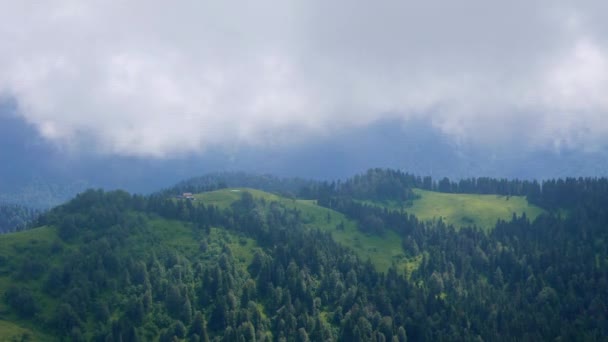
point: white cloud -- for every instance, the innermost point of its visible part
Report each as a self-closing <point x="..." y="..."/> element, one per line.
<point x="155" y="78"/>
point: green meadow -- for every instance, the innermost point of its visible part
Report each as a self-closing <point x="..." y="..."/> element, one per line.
<point x="463" y="210"/>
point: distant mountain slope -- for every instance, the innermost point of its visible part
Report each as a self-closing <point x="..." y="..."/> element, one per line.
<point x="15" y="217"/>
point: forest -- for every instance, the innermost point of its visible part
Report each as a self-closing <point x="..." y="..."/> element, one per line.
<point x="112" y="266"/>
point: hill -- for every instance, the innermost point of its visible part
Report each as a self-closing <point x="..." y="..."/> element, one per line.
<point x="244" y="264"/>
<point x="47" y="274"/>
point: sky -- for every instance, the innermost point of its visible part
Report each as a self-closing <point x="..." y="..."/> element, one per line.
<point x="158" y="79"/>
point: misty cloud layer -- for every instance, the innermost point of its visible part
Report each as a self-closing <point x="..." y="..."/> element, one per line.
<point x="151" y="78"/>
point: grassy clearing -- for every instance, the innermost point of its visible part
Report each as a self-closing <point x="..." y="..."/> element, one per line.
<point x="462" y="210"/>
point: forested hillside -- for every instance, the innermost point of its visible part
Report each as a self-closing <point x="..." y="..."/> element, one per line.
<point x="244" y="265"/>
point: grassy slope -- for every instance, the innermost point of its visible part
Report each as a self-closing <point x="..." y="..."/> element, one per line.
<point x="381" y="250"/>
<point x="463" y="210"/>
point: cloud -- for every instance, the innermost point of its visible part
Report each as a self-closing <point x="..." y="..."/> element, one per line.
<point x="152" y="78"/>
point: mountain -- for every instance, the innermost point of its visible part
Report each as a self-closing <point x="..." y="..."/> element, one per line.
<point x="346" y="260"/>
<point x="40" y="174"/>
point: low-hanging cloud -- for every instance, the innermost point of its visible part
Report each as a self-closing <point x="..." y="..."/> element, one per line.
<point x="154" y="78"/>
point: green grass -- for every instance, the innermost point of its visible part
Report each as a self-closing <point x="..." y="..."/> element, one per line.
<point x="462" y="210"/>
<point x="10" y="331"/>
